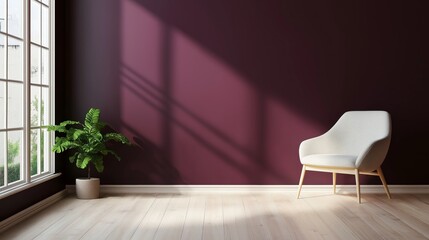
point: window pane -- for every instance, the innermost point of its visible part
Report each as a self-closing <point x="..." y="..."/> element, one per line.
<point x="44" y="107"/>
<point x="15" y="16"/>
<point x="45" y="2"/>
<point x="2" y="105"/>
<point x="45" y="26"/>
<point x="2" y="56"/>
<point x="2" y="156"/>
<point x="2" y="15"/>
<point x="15" y="59"/>
<point x="45" y="66"/>
<point x="14" y="103"/>
<point x="35" y="22"/>
<point x="35" y="106"/>
<point x="35" y="64"/>
<point x="34" y="152"/>
<point x="39" y="151"/>
<point x="14" y="156"/>
<point x="45" y="150"/>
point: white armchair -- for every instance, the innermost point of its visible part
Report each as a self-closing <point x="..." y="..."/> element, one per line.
<point x="356" y="144"/>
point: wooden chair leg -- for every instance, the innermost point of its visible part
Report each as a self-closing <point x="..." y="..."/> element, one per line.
<point x="357" y="184"/>
<point x="301" y="180"/>
<point x="383" y="180"/>
<point x="334" y="182"/>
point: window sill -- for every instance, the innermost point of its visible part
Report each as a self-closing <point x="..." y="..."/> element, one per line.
<point x="20" y="188"/>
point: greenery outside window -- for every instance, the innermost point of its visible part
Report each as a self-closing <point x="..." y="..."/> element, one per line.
<point x="26" y="91"/>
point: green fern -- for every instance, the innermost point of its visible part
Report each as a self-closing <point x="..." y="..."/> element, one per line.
<point x="116" y="137"/>
<point x="86" y="140"/>
<point x="63" y="144"/>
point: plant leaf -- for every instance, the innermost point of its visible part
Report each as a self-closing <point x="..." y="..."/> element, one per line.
<point x="62" y="127"/>
<point x="73" y="158"/>
<point x="92" y="118"/>
<point x="98" y="163"/>
<point x="62" y="144"/>
<point x="69" y="122"/>
<point x="83" y="161"/>
<point x="117" y="137"/>
<point x="105" y="152"/>
<point x="77" y="133"/>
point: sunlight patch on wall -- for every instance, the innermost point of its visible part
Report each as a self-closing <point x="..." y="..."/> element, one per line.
<point x="221" y="106"/>
<point x="215" y="125"/>
<point x="141" y="40"/>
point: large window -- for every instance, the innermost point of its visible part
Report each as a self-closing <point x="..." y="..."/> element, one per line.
<point x="26" y="91"/>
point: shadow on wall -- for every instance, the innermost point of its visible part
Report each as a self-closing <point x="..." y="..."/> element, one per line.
<point x="141" y="163"/>
<point x="319" y="59"/>
<point x="225" y="91"/>
<point x="144" y="163"/>
<point x="315" y="59"/>
<point x="208" y="118"/>
<point x="196" y="128"/>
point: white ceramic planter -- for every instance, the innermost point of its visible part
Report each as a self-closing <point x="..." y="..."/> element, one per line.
<point x="88" y="188"/>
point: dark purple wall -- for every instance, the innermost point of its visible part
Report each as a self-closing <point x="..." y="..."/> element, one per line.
<point x="223" y="92"/>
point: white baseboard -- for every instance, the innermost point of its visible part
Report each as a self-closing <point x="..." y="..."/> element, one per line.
<point x="179" y="189"/>
<point x="9" y="222"/>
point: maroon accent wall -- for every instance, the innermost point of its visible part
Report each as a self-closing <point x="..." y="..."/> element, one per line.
<point x="223" y="92"/>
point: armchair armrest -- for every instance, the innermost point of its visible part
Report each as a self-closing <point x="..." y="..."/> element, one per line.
<point x="317" y="145"/>
<point x="373" y="156"/>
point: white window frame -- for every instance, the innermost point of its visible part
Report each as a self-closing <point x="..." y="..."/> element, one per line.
<point x="28" y="181"/>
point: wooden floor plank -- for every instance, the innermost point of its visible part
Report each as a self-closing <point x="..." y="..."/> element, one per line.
<point x="256" y="218"/>
<point x="286" y="218"/>
<point x="194" y="221"/>
<point x="151" y="221"/>
<point x="36" y="224"/>
<point x="111" y="219"/>
<point x="126" y="226"/>
<point x="278" y="224"/>
<point x="284" y="205"/>
<point x="376" y="222"/>
<point x="347" y="213"/>
<point x="410" y="224"/>
<point x="172" y="223"/>
<point x="251" y="216"/>
<point x="234" y="218"/>
<point x="412" y="205"/>
<point x="307" y="221"/>
<point x="213" y="219"/>
<point x="78" y="225"/>
<point x="64" y="223"/>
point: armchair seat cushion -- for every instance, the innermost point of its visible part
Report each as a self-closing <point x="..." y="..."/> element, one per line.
<point x="330" y="160"/>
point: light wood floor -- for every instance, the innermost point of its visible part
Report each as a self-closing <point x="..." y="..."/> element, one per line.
<point x="230" y="216"/>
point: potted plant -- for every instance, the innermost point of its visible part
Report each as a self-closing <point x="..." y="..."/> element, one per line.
<point x="89" y="145"/>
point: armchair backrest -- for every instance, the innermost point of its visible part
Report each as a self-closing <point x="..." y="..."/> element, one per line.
<point x="359" y="133"/>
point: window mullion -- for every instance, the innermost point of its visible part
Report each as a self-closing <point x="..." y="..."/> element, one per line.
<point x="6" y="75"/>
<point x="51" y="81"/>
<point x="5" y="159"/>
<point x="6" y="92"/>
<point x="39" y="110"/>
